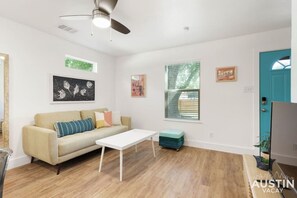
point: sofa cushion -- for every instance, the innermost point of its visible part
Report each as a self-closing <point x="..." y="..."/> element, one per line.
<point x="91" y="114"/>
<point x="78" y="141"/>
<point x="72" y="127"/>
<point x="47" y="120"/>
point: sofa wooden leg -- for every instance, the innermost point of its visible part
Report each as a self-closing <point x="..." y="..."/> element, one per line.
<point x="58" y="169"/>
<point x="32" y="160"/>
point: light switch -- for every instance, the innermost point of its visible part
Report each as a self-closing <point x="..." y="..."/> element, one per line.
<point x="248" y="89"/>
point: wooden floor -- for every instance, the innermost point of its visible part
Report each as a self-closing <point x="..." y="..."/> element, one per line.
<point x="191" y="172"/>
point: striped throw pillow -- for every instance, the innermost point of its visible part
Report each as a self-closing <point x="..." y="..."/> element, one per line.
<point x="72" y="127"/>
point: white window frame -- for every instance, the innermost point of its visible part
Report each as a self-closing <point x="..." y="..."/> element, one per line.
<point x="199" y="93"/>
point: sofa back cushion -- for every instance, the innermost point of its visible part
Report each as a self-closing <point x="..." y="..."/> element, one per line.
<point x="91" y="114"/>
<point x="47" y="120"/>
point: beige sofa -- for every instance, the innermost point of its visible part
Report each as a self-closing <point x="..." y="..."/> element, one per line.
<point x="40" y="141"/>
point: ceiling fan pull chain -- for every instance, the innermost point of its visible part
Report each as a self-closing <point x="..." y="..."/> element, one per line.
<point x="92" y="29"/>
<point x="110" y="39"/>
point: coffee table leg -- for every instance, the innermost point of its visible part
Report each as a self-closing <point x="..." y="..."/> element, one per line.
<point x="101" y="159"/>
<point x="121" y="165"/>
<point x="153" y="146"/>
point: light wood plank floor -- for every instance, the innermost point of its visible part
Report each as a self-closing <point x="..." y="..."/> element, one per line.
<point x="191" y="172"/>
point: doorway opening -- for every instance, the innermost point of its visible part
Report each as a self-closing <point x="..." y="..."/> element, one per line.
<point x="4" y="102"/>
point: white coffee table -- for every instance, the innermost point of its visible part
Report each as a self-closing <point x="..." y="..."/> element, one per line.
<point x="123" y="141"/>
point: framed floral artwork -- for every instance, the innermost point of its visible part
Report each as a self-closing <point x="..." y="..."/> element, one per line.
<point x="138" y="85"/>
<point x="226" y="74"/>
<point x="66" y="89"/>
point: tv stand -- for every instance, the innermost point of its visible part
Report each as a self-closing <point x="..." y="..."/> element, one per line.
<point x="253" y="178"/>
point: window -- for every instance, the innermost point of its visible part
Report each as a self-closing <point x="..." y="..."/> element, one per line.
<point x="81" y="64"/>
<point x="283" y="63"/>
<point x="182" y="91"/>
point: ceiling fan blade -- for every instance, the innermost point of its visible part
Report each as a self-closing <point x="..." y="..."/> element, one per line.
<point x="107" y="5"/>
<point x="76" y="17"/>
<point x="119" y="27"/>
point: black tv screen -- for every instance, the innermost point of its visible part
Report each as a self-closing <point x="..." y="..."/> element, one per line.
<point x="283" y="148"/>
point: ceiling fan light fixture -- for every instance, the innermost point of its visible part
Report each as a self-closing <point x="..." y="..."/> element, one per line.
<point x="100" y="19"/>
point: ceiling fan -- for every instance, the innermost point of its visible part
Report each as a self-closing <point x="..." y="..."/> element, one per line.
<point x="101" y="16"/>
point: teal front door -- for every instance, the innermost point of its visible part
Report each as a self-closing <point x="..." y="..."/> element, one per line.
<point x="275" y="84"/>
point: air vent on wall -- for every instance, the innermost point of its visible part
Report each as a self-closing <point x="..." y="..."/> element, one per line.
<point x="67" y="28"/>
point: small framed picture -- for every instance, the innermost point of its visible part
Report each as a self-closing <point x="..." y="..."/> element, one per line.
<point x="138" y="85"/>
<point x="226" y="74"/>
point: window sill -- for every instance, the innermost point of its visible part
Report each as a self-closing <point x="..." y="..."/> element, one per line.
<point x="186" y="121"/>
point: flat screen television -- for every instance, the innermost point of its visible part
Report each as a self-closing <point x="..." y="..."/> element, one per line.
<point x="283" y="148"/>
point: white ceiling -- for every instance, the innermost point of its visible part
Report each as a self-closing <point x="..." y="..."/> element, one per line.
<point x="154" y="24"/>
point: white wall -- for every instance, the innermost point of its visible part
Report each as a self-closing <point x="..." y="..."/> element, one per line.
<point x="294" y="52"/>
<point x="33" y="55"/>
<point x="229" y="115"/>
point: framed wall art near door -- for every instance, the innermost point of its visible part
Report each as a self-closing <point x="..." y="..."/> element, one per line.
<point x="67" y="89"/>
<point x="138" y="85"/>
<point x="226" y="74"/>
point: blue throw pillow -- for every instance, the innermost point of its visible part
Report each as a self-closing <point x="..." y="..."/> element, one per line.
<point x="72" y="127"/>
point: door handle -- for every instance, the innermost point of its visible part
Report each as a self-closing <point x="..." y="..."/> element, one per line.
<point x="263" y="110"/>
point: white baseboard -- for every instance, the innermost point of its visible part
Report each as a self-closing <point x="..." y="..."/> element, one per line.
<point x="222" y="147"/>
<point x="23" y="160"/>
<point x="286" y="159"/>
<point x="19" y="161"/>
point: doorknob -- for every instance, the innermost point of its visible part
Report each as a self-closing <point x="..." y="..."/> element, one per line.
<point x="263" y="110"/>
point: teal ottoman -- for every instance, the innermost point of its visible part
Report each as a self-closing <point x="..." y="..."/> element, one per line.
<point x="171" y="138"/>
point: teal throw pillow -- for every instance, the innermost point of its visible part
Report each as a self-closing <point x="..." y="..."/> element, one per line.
<point x="72" y="127"/>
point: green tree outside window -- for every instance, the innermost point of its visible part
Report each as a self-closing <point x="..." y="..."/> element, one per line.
<point x="79" y="64"/>
<point x="182" y="91"/>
